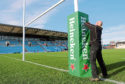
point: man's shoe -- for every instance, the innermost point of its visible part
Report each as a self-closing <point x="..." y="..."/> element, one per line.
<point x="95" y="79"/>
<point x="103" y="76"/>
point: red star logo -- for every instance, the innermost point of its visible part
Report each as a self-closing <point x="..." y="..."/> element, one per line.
<point x="72" y="67"/>
<point x="85" y="67"/>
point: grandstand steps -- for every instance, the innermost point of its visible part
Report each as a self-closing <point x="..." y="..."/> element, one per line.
<point x="37" y="46"/>
<point x="26" y="50"/>
<point x="19" y="42"/>
<point x="41" y="46"/>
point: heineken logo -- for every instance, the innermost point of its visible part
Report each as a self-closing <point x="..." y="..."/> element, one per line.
<point x="85" y="67"/>
<point x="85" y="51"/>
<point x="78" y="45"/>
<point x="72" y="33"/>
<point x="72" y="67"/>
<point x="84" y="42"/>
<point x="83" y="20"/>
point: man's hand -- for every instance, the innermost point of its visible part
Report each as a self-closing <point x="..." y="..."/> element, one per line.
<point x="87" y="22"/>
<point x="89" y="25"/>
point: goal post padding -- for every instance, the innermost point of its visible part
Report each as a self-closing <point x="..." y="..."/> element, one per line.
<point x="78" y="45"/>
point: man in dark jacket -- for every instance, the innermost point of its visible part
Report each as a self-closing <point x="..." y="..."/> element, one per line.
<point x="96" y="49"/>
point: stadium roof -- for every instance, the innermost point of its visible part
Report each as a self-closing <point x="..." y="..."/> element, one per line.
<point x="5" y="28"/>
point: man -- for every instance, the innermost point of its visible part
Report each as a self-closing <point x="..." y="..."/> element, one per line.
<point x="95" y="49"/>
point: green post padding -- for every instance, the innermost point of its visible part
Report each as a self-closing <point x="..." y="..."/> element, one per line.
<point x="78" y="45"/>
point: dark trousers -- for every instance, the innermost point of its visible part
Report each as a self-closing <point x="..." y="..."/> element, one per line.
<point x="96" y="53"/>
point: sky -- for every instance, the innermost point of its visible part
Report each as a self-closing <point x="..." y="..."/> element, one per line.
<point x="111" y="12"/>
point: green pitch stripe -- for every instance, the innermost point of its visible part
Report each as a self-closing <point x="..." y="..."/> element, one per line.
<point x="63" y="70"/>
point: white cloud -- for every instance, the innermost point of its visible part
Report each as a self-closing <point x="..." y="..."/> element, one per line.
<point x="114" y="28"/>
<point x="9" y="15"/>
<point x="115" y="33"/>
<point x="18" y="4"/>
<point x="40" y="23"/>
<point x="8" y="19"/>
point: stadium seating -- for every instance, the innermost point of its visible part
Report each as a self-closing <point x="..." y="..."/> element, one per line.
<point x="51" y="48"/>
<point x="37" y="46"/>
<point x="14" y="42"/>
<point x="2" y="42"/>
<point x="34" y="49"/>
<point x="10" y="49"/>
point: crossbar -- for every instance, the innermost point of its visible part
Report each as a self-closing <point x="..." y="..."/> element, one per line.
<point x="24" y="25"/>
<point x="44" y="12"/>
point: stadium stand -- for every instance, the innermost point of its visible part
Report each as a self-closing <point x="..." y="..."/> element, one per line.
<point x="37" y="40"/>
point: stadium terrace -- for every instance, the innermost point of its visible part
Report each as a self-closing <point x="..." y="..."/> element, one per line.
<point x="37" y="40"/>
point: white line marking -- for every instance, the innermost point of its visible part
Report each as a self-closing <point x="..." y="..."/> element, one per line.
<point x="113" y="81"/>
<point x="47" y="66"/>
<point x="40" y="64"/>
<point x="63" y="70"/>
<point x="122" y="58"/>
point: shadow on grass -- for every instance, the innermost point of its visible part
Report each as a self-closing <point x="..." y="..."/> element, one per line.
<point x="114" y="66"/>
<point x="117" y="71"/>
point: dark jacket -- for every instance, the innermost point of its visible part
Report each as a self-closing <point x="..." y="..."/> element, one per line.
<point x="95" y="33"/>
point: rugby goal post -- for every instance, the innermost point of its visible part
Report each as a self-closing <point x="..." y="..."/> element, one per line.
<point x="78" y="44"/>
<point x="75" y="5"/>
<point x="30" y="22"/>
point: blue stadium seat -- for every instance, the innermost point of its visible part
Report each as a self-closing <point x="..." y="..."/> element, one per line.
<point x="16" y="46"/>
<point x="10" y="49"/>
<point x="34" y="49"/>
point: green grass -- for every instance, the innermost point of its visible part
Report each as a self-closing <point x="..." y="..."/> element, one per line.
<point x="17" y="72"/>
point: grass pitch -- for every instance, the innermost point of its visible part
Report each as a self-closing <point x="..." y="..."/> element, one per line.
<point x="18" y="72"/>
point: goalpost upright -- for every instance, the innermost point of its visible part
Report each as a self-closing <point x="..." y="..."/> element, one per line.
<point x="78" y="44"/>
<point x="24" y="3"/>
<point x="78" y="40"/>
<point x="76" y="5"/>
<point x="24" y="25"/>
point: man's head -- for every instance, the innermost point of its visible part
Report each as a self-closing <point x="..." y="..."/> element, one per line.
<point x="99" y="23"/>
